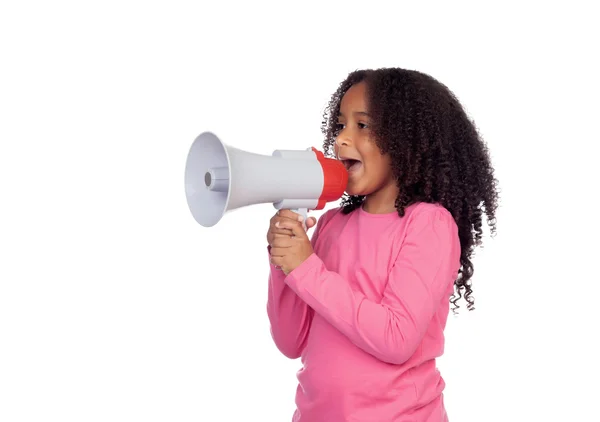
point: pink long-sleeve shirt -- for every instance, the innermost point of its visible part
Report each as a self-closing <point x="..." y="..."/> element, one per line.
<point x="366" y="312"/>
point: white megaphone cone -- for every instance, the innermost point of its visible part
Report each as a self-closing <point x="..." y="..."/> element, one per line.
<point x="220" y="178"/>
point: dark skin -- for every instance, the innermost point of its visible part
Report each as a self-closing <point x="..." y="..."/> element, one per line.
<point x="370" y="174"/>
<point x="290" y="245"/>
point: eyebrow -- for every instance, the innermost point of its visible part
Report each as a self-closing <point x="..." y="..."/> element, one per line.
<point x="362" y="113"/>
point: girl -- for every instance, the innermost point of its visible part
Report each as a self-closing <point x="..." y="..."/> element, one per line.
<point x="365" y="301"/>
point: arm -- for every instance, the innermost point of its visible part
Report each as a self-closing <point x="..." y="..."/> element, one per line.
<point x="290" y="317"/>
<point x="392" y="329"/>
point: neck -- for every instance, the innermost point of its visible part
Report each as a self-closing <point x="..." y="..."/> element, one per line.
<point x="383" y="200"/>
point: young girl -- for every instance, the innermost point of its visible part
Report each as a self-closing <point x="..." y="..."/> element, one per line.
<point x="365" y="301"/>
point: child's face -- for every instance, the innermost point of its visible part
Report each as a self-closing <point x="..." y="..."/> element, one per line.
<point x="369" y="171"/>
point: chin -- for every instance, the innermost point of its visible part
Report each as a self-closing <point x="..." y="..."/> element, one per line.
<point x="357" y="191"/>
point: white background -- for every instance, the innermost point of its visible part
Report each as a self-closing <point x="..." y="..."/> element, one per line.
<point x="116" y="306"/>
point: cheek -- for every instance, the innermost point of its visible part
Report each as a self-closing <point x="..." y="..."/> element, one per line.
<point x="376" y="160"/>
<point x="380" y="165"/>
<point x="386" y="163"/>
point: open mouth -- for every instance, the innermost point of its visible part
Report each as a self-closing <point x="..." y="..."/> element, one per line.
<point x="351" y="164"/>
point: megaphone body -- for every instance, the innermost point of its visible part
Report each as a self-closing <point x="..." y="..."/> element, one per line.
<point x="220" y="178"/>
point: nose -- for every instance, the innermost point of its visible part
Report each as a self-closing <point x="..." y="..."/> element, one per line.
<point x="342" y="140"/>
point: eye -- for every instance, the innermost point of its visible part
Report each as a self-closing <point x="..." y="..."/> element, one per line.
<point x="338" y="128"/>
<point x="363" y="125"/>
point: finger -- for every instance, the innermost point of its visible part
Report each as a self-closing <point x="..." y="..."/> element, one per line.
<point x="282" y="232"/>
<point x="279" y="251"/>
<point x="295" y="226"/>
<point x="279" y="228"/>
<point x="289" y="214"/>
<point x="283" y="242"/>
<point x="271" y="239"/>
<point x="276" y="223"/>
<point x="310" y="222"/>
<point x="280" y="220"/>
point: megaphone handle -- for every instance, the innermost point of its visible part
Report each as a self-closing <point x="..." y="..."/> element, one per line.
<point x="304" y="213"/>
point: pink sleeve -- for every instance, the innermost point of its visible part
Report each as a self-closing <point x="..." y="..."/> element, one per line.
<point x="290" y="317"/>
<point x="421" y="277"/>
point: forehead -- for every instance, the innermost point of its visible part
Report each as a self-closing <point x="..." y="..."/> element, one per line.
<point x="355" y="98"/>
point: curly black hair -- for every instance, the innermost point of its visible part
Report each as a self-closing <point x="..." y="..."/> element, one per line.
<point x="437" y="154"/>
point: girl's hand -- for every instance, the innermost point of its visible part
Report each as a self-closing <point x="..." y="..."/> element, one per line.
<point x="290" y="245"/>
<point x="283" y="215"/>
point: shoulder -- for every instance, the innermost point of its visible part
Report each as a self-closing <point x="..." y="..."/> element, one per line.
<point x="430" y="220"/>
<point x="425" y="210"/>
<point x="430" y="233"/>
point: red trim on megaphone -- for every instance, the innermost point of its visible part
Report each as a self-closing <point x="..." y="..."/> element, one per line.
<point x="335" y="179"/>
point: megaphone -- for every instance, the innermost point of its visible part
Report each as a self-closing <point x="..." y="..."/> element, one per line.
<point x="220" y="178"/>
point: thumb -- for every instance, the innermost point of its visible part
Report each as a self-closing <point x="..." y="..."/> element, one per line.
<point x="310" y="222"/>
